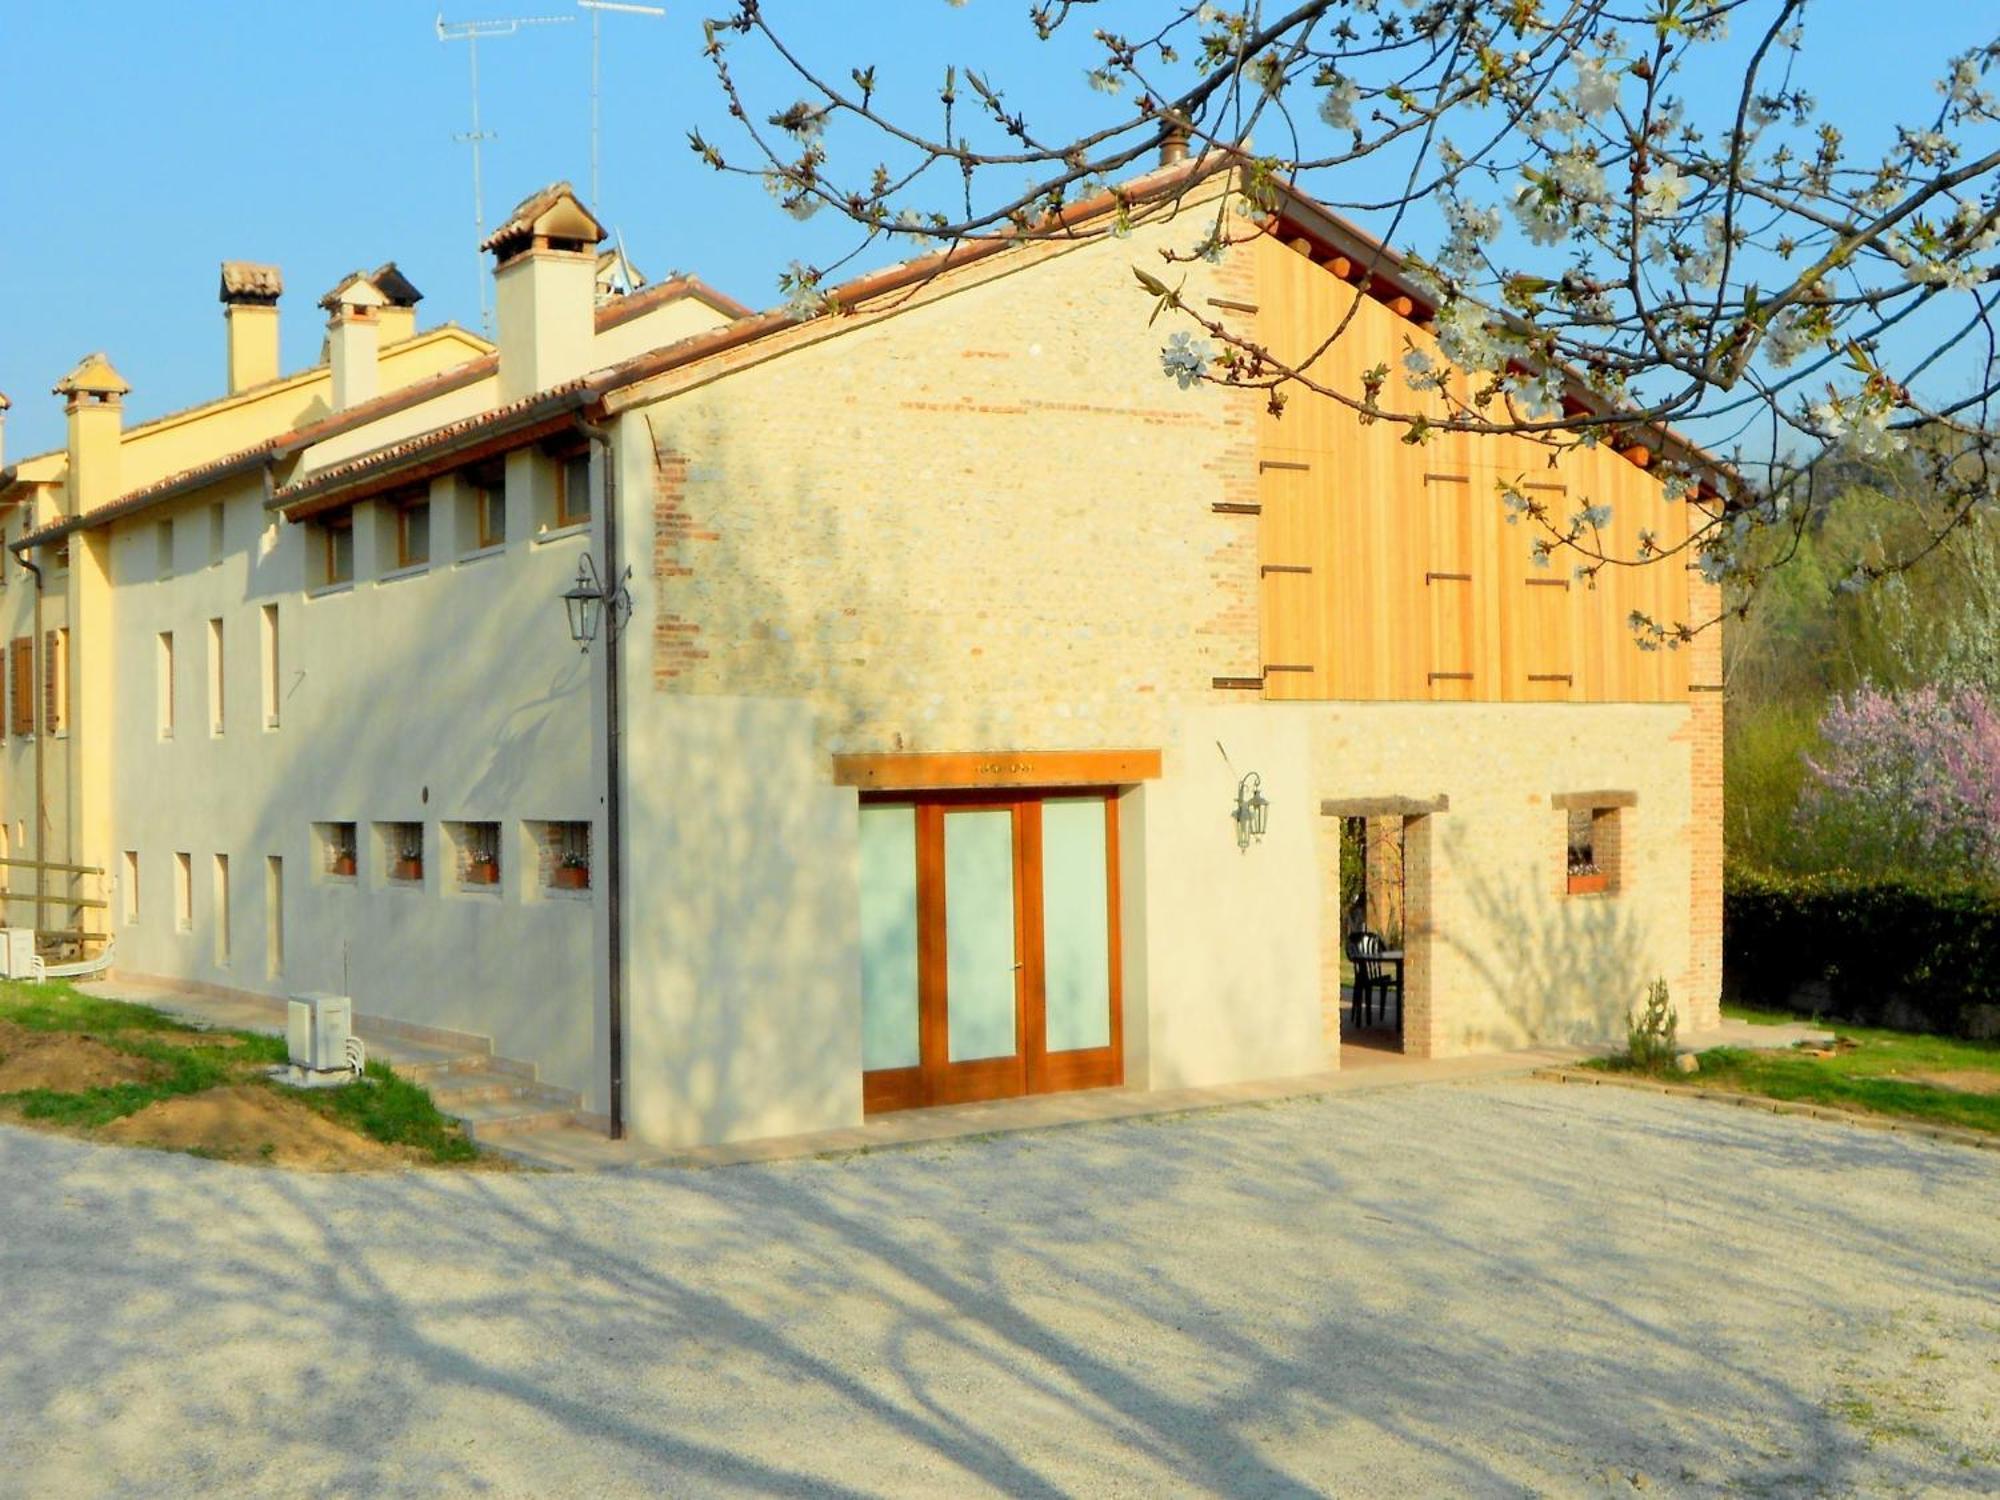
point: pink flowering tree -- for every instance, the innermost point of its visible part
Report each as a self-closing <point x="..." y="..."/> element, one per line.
<point x="1908" y="782"/>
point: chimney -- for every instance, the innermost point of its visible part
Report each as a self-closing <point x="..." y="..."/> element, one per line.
<point x="399" y="318"/>
<point x="1173" y="146"/>
<point x="93" y="392"/>
<point x="544" y="283"/>
<point x="353" y="338"/>
<point x="250" y="295"/>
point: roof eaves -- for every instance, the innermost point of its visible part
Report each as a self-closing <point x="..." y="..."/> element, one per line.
<point x="187" y="481"/>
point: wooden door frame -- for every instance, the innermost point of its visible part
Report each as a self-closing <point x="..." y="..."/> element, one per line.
<point x="1031" y="1068"/>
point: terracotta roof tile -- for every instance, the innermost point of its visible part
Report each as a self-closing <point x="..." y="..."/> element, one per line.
<point x="248" y="281"/>
<point x="555" y="212"/>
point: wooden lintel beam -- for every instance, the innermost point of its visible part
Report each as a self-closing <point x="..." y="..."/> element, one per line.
<point x="1384" y="807"/>
<point x="1590" y="801"/>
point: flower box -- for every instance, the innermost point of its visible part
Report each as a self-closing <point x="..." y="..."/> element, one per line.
<point x="407" y="869"/>
<point x="572" y="877"/>
<point x="1595" y="883"/>
<point x="483" y="872"/>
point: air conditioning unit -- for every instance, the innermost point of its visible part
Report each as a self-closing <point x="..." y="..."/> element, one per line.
<point x="17" y="952"/>
<point x="317" y="1031"/>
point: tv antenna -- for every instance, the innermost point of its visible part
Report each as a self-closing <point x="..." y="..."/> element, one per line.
<point x="470" y="32"/>
<point x="597" y="8"/>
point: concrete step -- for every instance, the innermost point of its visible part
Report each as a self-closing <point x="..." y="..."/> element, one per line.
<point x="487" y="1088"/>
<point x="445" y="1072"/>
<point x="485" y="1119"/>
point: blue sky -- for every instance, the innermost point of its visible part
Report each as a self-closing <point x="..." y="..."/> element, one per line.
<point x="142" y="145"/>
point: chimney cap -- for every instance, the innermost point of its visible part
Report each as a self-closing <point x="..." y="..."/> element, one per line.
<point x="250" y="281"/>
<point x="93" y="376"/>
<point x="555" y="213"/>
<point x="394" y="285"/>
<point x="4" y="402"/>
<point x="354" y="290"/>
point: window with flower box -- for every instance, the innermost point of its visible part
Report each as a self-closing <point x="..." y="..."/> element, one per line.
<point x="401" y="850"/>
<point x="563" y="857"/>
<point x="475" y="855"/>
<point x="334" y="850"/>
<point x="1594" y="841"/>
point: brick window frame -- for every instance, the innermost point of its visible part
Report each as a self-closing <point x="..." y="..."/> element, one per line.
<point x="1590" y="854"/>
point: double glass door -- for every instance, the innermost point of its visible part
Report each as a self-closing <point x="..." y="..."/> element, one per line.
<point x="989" y="946"/>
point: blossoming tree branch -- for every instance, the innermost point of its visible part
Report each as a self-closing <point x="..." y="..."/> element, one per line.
<point x="1636" y="212"/>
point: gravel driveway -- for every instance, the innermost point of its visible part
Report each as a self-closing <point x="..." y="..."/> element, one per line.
<point x="1468" y="1290"/>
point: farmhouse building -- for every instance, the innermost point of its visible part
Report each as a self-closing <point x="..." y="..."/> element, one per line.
<point x="992" y="715"/>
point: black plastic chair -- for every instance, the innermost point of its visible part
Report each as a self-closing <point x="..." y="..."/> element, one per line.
<point x="1376" y="979"/>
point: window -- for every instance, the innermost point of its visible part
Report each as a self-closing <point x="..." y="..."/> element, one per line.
<point x="1593" y="852"/>
<point x="335" y="843"/>
<point x="215" y="676"/>
<point x="274" y="916"/>
<point x="269" y="651"/>
<point x="24" y="684"/>
<point x="55" y="680"/>
<point x="483" y="520"/>
<point x="402" y="851"/>
<point x="130" y="881"/>
<point x="413" y="533"/>
<point x="163" y="549"/>
<point x="221" y="911"/>
<point x="475" y="849"/>
<point x="165" y="674"/>
<point x="184" y="892"/>
<point x="216" y="517"/>
<point x="573" y="488"/>
<point x="335" y="536"/>
<point x="562" y="853"/>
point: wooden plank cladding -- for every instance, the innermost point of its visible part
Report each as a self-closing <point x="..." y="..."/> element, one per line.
<point x="1420" y="588"/>
<point x="1384" y="807"/>
<point x="995" y="768"/>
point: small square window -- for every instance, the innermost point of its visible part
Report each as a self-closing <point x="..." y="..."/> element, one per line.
<point x="334" y="845"/>
<point x="475" y="854"/>
<point x="402" y="852"/>
<point x="562" y="855"/>
<point x="1592" y="854"/>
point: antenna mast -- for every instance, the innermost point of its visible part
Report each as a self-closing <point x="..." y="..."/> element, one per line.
<point x="470" y="32"/>
<point x="597" y="8"/>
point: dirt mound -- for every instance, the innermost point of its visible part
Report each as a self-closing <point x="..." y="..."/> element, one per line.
<point x="1959" y="1080"/>
<point x="251" y="1123"/>
<point x="63" y="1061"/>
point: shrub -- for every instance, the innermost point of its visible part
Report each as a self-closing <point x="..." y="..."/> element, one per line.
<point x="1876" y="952"/>
<point x="1649" y="1043"/>
<point x="1908" y="781"/>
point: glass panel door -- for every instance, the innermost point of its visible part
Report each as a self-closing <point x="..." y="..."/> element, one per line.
<point x="1076" y="925"/>
<point x="889" y="936"/>
<point x="980" y="964"/>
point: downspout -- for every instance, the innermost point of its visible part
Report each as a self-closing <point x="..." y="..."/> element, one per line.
<point x="614" y="802"/>
<point x="35" y="649"/>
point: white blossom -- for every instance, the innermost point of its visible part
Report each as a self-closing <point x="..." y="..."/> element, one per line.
<point x="1596" y="88"/>
<point x="1336" y="105"/>
<point x="1665" y="187"/>
<point x="1184" y="359"/>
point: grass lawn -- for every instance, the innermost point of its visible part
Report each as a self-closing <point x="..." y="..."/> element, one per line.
<point x="1939" y="1080"/>
<point x="128" y="1073"/>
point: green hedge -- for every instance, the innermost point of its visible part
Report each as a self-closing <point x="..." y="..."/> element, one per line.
<point x="1885" y="953"/>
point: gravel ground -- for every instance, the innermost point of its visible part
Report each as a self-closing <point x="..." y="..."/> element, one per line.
<point x="1504" y="1289"/>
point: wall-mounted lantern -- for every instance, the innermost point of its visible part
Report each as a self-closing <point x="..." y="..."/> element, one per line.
<point x="586" y="600"/>
<point x="1253" y="810"/>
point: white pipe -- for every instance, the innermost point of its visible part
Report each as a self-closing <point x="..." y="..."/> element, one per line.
<point x="84" y="970"/>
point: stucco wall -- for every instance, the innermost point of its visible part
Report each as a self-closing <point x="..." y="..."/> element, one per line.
<point x="452" y="693"/>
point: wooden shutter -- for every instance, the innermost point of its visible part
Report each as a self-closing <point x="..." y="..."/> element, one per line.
<point x="24" y="684"/>
<point x="1448" y="585"/>
<point x="51" y="682"/>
